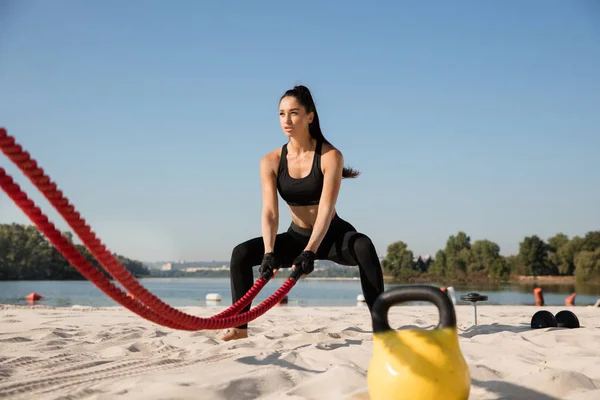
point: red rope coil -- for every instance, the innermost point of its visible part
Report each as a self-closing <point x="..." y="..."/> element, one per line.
<point x="147" y="305"/>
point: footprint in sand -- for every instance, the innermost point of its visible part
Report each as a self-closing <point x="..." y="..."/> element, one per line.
<point x="5" y="372"/>
<point x="157" y="334"/>
<point x="56" y="343"/>
<point x="16" y="339"/>
<point x="132" y="336"/>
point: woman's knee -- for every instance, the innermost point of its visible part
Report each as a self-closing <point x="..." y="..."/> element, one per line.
<point x="361" y="245"/>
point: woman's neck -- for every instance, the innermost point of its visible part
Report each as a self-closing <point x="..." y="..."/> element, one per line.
<point x="303" y="144"/>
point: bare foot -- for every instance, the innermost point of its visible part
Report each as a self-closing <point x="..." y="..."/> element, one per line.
<point x="234" y="334"/>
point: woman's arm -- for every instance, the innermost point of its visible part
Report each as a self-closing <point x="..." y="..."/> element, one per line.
<point x="333" y="164"/>
<point x="270" y="206"/>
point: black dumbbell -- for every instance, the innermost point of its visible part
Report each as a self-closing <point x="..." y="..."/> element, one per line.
<point x="563" y="319"/>
<point x="567" y="319"/>
<point x="543" y="319"/>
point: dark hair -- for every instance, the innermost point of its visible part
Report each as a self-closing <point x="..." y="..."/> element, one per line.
<point x="303" y="96"/>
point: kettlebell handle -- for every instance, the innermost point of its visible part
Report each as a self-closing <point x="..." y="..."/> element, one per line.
<point x="402" y="294"/>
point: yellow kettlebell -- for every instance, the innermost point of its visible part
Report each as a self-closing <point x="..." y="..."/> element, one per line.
<point x="416" y="364"/>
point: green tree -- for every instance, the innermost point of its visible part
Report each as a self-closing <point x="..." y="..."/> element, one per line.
<point x="555" y="243"/>
<point x="399" y="260"/>
<point x="533" y="256"/>
<point x="437" y="267"/>
<point x="566" y="255"/>
<point x="499" y="269"/>
<point x="512" y="264"/>
<point x="587" y="265"/>
<point x="26" y="254"/>
<point x="591" y="241"/>
<point x="135" y="267"/>
<point x="483" y="255"/>
<point x="457" y="253"/>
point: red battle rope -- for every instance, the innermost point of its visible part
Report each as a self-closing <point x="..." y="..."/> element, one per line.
<point x="145" y="303"/>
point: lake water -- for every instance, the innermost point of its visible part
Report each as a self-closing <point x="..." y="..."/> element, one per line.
<point x="180" y="292"/>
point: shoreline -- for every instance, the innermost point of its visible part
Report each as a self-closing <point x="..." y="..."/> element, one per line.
<point x="518" y="280"/>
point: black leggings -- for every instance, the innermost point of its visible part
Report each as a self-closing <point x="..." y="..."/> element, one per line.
<point x="342" y="244"/>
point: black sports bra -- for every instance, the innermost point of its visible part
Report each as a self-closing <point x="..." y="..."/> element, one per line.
<point x="304" y="191"/>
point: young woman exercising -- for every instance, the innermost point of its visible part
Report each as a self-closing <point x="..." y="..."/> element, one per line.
<point x="307" y="172"/>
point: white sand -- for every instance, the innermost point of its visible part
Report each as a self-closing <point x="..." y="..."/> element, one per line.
<point x="294" y="353"/>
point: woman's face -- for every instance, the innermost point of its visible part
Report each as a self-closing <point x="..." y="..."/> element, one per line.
<point x="293" y="117"/>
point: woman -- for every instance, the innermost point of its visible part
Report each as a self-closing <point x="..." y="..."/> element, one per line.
<point x="307" y="172"/>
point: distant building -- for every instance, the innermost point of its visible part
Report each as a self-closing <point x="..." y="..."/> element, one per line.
<point x="192" y="266"/>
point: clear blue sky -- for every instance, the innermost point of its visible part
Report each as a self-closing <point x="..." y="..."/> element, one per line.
<point x="152" y="116"/>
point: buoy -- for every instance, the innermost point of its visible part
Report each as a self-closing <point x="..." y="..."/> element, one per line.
<point x="570" y="301"/>
<point x="213" y="297"/>
<point x="360" y="298"/>
<point x="538" y="293"/>
<point x="33" y="296"/>
<point x="416" y="364"/>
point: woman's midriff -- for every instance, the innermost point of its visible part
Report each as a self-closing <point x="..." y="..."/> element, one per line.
<point x="306" y="216"/>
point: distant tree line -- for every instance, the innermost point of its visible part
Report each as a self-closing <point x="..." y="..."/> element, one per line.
<point x="25" y="254"/>
<point x="462" y="260"/>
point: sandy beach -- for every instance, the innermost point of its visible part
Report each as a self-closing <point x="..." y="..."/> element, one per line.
<point x="293" y="353"/>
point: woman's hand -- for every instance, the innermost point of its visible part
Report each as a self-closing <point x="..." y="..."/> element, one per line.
<point x="305" y="262"/>
<point x="269" y="265"/>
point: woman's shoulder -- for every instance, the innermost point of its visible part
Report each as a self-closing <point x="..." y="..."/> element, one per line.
<point x="330" y="152"/>
<point x="271" y="159"/>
